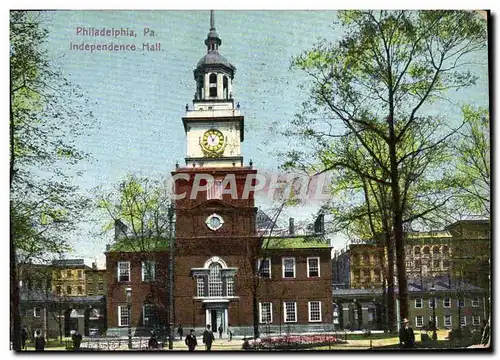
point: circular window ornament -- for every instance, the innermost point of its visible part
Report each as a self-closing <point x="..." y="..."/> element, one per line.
<point x="214" y="222"/>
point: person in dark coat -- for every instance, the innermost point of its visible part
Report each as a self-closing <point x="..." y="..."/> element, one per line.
<point x="208" y="338"/>
<point x="406" y="335"/>
<point x="230" y="332"/>
<point x="39" y="341"/>
<point x="221" y="329"/>
<point x="153" y="343"/>
<point x="191" y="341"/>
<point x="180" y="331"/>
<point x="77" y="340"/>
<point x="24" y="337"/>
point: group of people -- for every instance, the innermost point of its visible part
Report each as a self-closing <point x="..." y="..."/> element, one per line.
<point x="39" y="340"/>
<point x="191" y="341"/>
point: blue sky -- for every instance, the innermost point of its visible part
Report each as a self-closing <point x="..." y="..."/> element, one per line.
<point x="139" y="97"/>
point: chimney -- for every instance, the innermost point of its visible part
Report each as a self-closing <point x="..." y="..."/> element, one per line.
<point x="291" y="228"/>
<point x="108" y="247"/>
<point x="319" y="224"/>
<point x="94" y="265"/>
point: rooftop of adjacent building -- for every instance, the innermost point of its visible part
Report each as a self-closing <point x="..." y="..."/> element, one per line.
<point x="441" y="284"/>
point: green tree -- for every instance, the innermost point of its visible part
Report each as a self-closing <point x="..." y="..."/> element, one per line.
<point x="47" y="114"/>
<point x="472" y="161"/>
<point x="138" y="210"/>
<point x="370" y="93"/>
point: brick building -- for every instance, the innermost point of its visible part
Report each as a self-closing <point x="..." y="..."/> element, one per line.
<point x="218" y="250"/>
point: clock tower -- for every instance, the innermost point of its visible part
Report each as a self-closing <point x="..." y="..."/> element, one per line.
<point x="214" y="126"/>
<point x="215" y="231"/>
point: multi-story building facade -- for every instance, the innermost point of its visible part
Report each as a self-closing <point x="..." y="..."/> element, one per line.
<point x="69" y="277"/>
<point x="46" y="306"/>
<point x="359" y="266"/>
<point x="218" y="250"/>
<point x="455" y="302"/>
<point x="428" y="254"/>
<point x="95" y="281"/>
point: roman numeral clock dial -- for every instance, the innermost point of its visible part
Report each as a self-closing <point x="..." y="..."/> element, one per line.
<point x="213" y="143"/>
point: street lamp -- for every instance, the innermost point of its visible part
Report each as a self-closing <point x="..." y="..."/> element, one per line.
<point x="433" y="291"/>
<point x="128" y="291"/>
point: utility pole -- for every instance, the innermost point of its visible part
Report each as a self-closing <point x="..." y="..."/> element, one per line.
<point x="170" y="278"/>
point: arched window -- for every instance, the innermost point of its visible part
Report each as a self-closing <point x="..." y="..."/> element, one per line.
<point x="215" y="280"/>
<point x="225" y="87"/>
<point x="435" y="250"/>
<point x="426" y="250"/>
<point x="416" y="250"/>
<point x="213" y="85"/>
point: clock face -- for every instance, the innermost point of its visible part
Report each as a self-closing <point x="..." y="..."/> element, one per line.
<point x="214" y="222"/>
<point x="213" y="140"/>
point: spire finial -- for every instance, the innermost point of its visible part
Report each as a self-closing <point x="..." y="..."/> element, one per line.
<point x="212" y="20"/>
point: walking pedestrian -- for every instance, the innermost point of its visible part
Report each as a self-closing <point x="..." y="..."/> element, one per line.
<point x="191" y="341"/>
<point x="24" y="337"/>
<point x="221" y="329"/>
<point x="153" y="343"/>
<point x="39" y="341"/>
<point x="230" y="332"/>
<point x="180" y="331"/>
<point x="77" y="339"/>
<point x="406" y="335"/>
<point x="208" y="338"/>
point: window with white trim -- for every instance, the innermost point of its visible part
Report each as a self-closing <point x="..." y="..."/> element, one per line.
<point x="264" y="267"/>
<point x="290" y="311"/>
<point x="123" y="316"/>
<point x="149" y="315"/>
<point x="148" y="270"/>
<point x="447" y="320"/>
<point x="200" y="286"/>
<point x="266" y="312"/>
<point x="463" y="320"/>
<point x="215" y="280"/>
<point x="37" y="312"/>
<point x="288" y="267"/>
<point x="230" y="286"/>
<point x="431" y="302"/>
<point x="446" y="302"/>
<point x="419" y="303"/>
<point x="461" y="303"/>
<point x="123" y="271"/>
<point x="313" y="267"/>
<point x="476" y="320"/>
<point x="314" y="311"/>
<point x="419" y="321"/>
<point x="475" y="302"/>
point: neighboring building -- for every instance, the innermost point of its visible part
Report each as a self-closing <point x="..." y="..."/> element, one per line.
<point x="428" y="254"/>
<point x="217" y="246"/>
<point x="455" y="301"/>
<point x="472" y="251"/>
<point x="44" y="307"/>
<point x="69" y="277"/>
<point x="359" y="266"/>
<point x="95" y="281"/>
